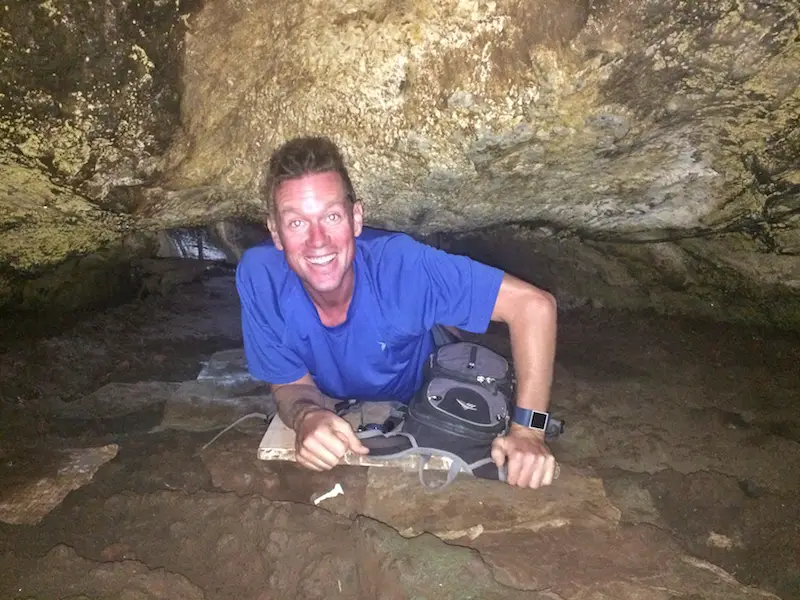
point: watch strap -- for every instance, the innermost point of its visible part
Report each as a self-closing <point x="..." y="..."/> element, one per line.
<point x="532" y="419"/>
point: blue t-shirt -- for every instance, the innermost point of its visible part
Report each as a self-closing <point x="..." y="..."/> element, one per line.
<point x="402" y="289"/>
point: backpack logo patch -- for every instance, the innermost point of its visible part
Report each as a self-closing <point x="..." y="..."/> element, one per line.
<point x="466" y="405"/>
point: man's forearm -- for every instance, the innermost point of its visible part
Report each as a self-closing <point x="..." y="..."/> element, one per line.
<point x="295" y="401"/>
<point x="533" y="346"/>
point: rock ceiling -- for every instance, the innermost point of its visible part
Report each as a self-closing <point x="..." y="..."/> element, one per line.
<point x="644" y="153"/>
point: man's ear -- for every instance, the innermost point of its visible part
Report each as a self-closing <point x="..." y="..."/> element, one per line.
<point x="358" y="218"/>
<point x="273" y="232"/>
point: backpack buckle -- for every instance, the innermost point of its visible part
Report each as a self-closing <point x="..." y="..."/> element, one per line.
<point x="388" y="425"/>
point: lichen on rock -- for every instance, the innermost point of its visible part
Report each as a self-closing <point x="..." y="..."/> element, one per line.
<point x="88" y="100"/>
<point x="43" y="223"/>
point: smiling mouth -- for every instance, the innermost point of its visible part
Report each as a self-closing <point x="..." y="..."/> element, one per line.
<point x="321" y="260"/>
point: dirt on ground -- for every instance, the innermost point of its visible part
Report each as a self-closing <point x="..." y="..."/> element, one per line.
<point x="680" y="472"/>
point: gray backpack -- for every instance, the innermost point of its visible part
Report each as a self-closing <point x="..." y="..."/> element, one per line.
<point x="463" y="405"/>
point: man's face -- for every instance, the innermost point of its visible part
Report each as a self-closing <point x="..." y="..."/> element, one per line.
<point x="315" y="225"/>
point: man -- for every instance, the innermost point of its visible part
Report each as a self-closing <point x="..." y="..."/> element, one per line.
<point x="335" y="310"/>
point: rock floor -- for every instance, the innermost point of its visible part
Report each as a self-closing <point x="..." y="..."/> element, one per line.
<point x="680" y="471"/>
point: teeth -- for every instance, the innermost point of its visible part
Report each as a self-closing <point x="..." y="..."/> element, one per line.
<point x="321" y="260"/>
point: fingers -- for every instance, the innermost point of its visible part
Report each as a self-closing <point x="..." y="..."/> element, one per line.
<point x="549" y="470"/>
<point x="324" y="449"/>
<point x="348" y="436"/>
<point x="323" y="443"/>
<point x="310" y="462"/>
<point x="499" y="452"/>
<point x="542" y="472"/>
<point x="526" y="469"/>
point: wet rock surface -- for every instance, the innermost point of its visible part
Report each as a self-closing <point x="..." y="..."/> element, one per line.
<point x="90" y="100"/>
<point x="64" y="574"/>
<point x="26" y="501"/>
<point x="203" y="406"/>
<point x="649" y="503"/>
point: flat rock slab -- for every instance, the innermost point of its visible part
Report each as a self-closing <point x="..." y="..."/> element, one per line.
<point x="198" y="405"/>
<point x="29" y="502"/>
<point x="466" y="509"/>
<point x="117" y="400"/>
<point x="228" y="369"/>
<point x="472" y="507"/>
<point x="207" y="406"/>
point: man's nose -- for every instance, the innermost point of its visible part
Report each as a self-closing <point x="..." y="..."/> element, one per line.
<point x="317" y="236"/>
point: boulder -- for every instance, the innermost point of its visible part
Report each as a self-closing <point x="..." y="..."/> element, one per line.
<point x="642" y="155"/>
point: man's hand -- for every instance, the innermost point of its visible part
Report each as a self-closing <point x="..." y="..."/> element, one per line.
<point x="323" y="439"/>
<point x="529" y="463"/>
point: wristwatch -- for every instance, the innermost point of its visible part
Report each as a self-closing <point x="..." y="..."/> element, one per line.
<point x="532" y="419"/>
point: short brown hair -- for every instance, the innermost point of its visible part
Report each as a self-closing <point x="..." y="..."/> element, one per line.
<point x="301" y="156"/>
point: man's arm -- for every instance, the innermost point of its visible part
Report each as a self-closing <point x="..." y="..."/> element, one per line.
<point x="297" y="399"/>
<point x="531" y="316"/>
<point x="322" y="438"/>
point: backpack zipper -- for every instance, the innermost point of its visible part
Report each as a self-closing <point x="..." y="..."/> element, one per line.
<point x="473" y="356"/>
<point x="491" y="383"/>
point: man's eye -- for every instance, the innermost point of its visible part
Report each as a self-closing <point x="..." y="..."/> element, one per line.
<point x="333" y="217"/>
<point x="295" y="224"/>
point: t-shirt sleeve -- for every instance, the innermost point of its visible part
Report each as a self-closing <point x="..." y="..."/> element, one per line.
<point x="263" y="327"/>
<point x="424" y="286"/>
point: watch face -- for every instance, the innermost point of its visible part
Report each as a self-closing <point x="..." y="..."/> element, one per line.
<point x="538" y="420"/>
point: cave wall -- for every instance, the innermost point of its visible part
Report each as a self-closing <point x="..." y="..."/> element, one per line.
<point x="89" y="101"/>
<point x="697" y="277"/>
<point x="645" y="154"/>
